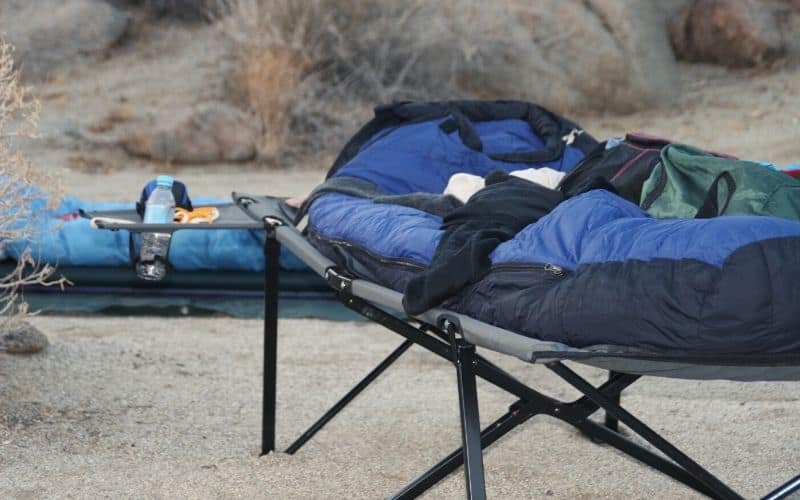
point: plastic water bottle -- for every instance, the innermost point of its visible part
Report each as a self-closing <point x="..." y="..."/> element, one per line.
<point x="159" y="209"/>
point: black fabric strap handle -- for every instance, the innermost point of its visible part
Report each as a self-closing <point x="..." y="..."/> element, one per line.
<point x="469" y="136"/>
<point x="549" y="129"/>
<point x="539" y="120"/>
<point x="710" y="207"/>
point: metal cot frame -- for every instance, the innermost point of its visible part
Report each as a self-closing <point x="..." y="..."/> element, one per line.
<point x="444" y="334"/>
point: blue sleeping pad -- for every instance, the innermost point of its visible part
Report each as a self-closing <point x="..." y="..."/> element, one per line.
<point x="67" y="240"/>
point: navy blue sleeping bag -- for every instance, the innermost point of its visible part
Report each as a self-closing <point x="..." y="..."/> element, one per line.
<point x="596" y="271"/>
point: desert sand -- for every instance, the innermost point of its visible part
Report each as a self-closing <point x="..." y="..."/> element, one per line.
<point x="145" y="407"/>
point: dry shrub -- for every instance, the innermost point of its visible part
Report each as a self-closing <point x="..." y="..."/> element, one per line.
<point x="20" y="202"/>
<point x="268" y="78"/>
<point x="315" y="68"/>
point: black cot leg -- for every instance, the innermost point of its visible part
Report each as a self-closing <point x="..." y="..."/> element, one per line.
<point x="516" y="415"/>
<point x="714" y="485"/>
<point x="784" y="490"/>
<point x="602" y="434"/>
<point x="272" y="249"/>
<point x="470" y="421"/>
<point x="351" y="395"/>
<point x="611" y="421"/>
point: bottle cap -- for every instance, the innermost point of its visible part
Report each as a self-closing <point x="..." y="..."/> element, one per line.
<point x="164" y="180"/>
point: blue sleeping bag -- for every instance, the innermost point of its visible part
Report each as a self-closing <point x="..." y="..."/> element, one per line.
<point x="596" y="272"/>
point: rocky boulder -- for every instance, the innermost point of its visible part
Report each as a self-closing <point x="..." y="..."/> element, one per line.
<point x="787" y="12"/>
<point x="48" y="34"/>
<point x="211" y="133"/>
<point x="20" y="337"/>
<point x="733" y="33"/>
<point x="186" y="10"/>
<point x="595" y="54"/>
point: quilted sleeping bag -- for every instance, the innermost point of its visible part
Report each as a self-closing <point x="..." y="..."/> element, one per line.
<point x="596" y="271"/>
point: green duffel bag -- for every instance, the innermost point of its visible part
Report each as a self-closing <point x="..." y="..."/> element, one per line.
<point x="691" y="183"/>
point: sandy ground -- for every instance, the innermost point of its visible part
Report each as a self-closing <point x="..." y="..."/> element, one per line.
<point x="143" y="407"/>
<point x="140" y="407"/>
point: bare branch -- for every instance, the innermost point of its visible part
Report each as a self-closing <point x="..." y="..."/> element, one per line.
<point x="22" y="206"/>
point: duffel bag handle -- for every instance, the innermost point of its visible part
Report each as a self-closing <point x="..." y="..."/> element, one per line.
<point x="710" y="207"/>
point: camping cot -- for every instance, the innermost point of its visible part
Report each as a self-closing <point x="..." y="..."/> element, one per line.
<point x="454" y="337"/>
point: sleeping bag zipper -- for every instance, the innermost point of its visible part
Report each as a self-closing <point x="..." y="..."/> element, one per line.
<point x="553" y="269"/>
<point x="370" y="254"/>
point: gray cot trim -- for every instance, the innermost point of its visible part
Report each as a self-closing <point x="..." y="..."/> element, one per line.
<point x="670" y="369"/>
<point x="477" y="332"/>
<point x="291" y="238"/>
